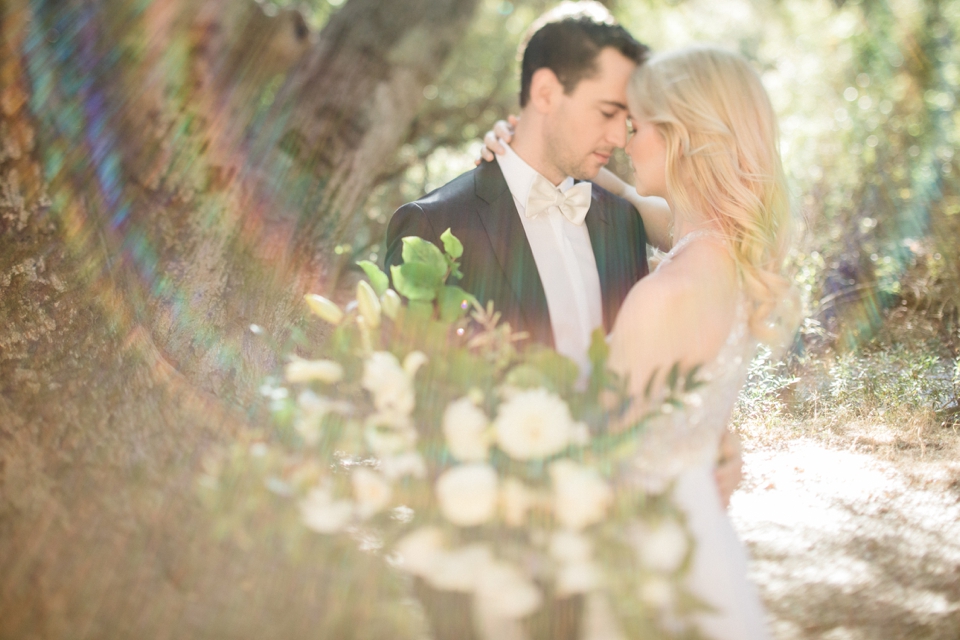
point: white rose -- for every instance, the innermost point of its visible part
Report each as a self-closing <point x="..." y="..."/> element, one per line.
<point x="464" y="426"/>
<point x="468" y="494"/>
<point x="578" y="577"/>
<point x="391" y="386"/>
<point x="320" y="512"/>
<point x="663" y="547"/>
<point x="371" y="491"/>
<point x="419" y="550"/>
<point x="405" y="464"/>
<point x="327" y="371"/>
<point x="580" y="496"/>
<point x="570" y="547"/>
<point x="505" y="592"/>
<point x="533" y="424"/>
<point x="458" y="569"/>
<point x="516" y="499"/>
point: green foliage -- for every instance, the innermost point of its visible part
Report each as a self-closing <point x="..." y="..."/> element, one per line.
<point x="378" y="279"/>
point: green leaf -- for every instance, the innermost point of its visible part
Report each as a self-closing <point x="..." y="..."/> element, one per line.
<point x="378" y="279"/>
<point x="451" y="244"/>
<point x="673" y="377"/>
<point x="692" y="382"/>
<point x="418" y="250"/>
<point x="648" y="390"/>
<point x="525" y="376"/>
<point x="452" y="300"/>
<point x="559" y="370"/>
<point x="419" y="311"/>
<point x="599" y="349"/>
<point x="416" y="281"/>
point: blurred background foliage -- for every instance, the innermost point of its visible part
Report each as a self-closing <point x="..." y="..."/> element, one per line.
<point x="866" y="93"/>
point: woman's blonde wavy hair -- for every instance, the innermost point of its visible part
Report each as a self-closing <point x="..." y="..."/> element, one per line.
<point x="723" y="161"/>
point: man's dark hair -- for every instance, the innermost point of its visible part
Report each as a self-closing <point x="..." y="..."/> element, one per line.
<point x="568" y="39"/>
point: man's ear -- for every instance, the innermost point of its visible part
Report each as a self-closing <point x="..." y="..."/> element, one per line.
<point x="545" y="89"/>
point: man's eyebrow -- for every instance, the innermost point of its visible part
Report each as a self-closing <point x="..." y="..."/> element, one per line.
<point x="614" y="103"/>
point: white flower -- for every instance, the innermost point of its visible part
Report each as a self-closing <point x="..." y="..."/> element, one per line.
<point x="468" y="494"/>
<point x="371" y="491"/>
<point x="580" y="495"/>
<point x="458" y="569"/>
<point x="533" y="424"/>
<point x="409" y="463"/>
<point x="505" y="592"/>
<point x="324" y="308"/>
<point x="368" y="304"/>
<point x="663" y="547"/>
<point x="464" y="426"/>
<point x="419" y="550"/>
<point x="657" y="592"/>
<point x="578" y="577"/>
<point x="327" y="371"/>
<point x="391" y="386"/>
<point x="570" y="547"/>
<point x="516" y="499"/>
<point x="320" y="512"/>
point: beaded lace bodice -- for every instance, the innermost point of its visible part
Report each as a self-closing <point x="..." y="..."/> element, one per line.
<point x="690" y="436"/>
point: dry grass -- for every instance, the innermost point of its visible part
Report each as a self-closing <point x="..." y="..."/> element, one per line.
<point x="851" y="501"/>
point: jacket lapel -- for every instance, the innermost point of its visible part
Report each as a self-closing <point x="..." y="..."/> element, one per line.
<point x="603" y="243"/>
<point x="501" y="221"/>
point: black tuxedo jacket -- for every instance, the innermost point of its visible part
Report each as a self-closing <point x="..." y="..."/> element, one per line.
<point x="497" y="262"/>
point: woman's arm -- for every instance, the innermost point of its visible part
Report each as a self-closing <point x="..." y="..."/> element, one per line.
<point x="657" y="219"/>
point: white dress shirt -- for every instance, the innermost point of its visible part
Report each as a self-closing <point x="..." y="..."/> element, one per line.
<point x="565" y="262"/>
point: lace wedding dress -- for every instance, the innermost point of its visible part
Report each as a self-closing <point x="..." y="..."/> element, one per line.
<point x="682" y="448"/>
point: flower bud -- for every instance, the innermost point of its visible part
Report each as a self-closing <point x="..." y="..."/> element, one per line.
<point x="368" y="304"/>
<point x="390" y="302"/>
<point x="324" y="308"/>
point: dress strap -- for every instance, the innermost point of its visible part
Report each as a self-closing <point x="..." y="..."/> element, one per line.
<point x="687" y="239"/>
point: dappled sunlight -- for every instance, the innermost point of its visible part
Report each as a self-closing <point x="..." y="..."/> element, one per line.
<point x="846" y="545"/>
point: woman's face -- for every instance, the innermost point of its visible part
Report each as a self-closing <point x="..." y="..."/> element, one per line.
<point x="648" y="153"/>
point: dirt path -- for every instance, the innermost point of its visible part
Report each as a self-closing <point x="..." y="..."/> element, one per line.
<point x="850" y="546"/>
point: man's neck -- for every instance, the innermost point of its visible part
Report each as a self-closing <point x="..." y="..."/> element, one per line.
<point x="528" y="144"/>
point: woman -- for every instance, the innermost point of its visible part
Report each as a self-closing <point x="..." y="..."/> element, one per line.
<point x="705" y="140"/>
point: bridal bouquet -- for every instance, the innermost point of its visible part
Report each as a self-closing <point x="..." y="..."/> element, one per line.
<point x="431" y="434"/>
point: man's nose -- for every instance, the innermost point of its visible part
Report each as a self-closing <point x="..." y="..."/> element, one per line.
<point x="617" y="132"/>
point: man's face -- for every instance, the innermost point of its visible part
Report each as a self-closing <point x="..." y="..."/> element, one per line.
<point x="589" y="123"/>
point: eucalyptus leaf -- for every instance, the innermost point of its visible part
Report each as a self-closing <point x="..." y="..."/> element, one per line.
<point x="451" y="244"/>
<point x="378" y="279"/>
<point x="418" y="250"/>
<point x="416" y="280"/>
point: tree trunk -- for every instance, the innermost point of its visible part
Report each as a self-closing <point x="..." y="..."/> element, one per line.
<point x="171" y="173"/>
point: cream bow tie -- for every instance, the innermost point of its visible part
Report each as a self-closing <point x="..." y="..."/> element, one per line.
<point x="573" y="203"/>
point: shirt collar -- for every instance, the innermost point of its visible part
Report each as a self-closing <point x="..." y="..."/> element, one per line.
<point x="519" y="175"/>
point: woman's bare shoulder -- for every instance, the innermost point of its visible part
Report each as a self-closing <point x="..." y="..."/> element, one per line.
<point x="689" y="302"/>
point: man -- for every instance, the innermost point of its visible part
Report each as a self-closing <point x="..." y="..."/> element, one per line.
<point x="556" y="258"/>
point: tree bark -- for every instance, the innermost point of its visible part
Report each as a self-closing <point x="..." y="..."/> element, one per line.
<point x="170" y="174"/>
